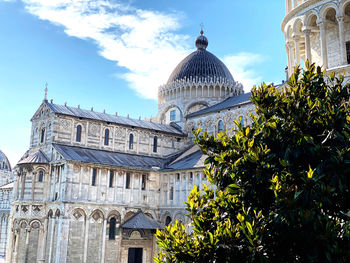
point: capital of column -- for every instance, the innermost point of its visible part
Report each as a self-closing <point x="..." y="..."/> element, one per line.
<point x="340" y="19"/>
<point x="321" y="23"/>
<point x="296" y="37"/>
<point x="306" y="31"/>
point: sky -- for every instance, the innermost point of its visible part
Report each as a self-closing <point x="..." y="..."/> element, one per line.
<point x="113" y="55"/>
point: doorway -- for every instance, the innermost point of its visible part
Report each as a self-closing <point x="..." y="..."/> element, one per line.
<point x="135" y="255"/>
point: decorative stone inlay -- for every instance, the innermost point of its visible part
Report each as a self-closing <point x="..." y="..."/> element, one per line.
<point x="77" y="214"/>
<point x="135" y="235"/>
<point x="93" y="129"/>
<point x="65" y="124"/>
<point x="120" y="133"/>
<point x="76" y="168"/>
<point x="228" y="119"/>
<point x="35" y="225"/>
<point x="24" y="208"/>
<point x="208" y="122"/>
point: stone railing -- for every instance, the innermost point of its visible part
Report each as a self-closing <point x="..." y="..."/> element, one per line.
<point x="291" y="4"/>
<point x="198" y="87"/>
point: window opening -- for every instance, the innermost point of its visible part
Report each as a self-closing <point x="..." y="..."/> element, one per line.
<point x="155" y="142"/>
<point x="167" y="220"/>
<point x="41" y="176"/>
<point x="348" y="51"/>
<point x="131" y="141"/>
<point x="171" y="197"/>
<point x="143" y="184"/>
<point x="112" y="226"/>
<point x="111" y="178"/>
<point x="173" y="115"/>
<point x="106" y="136"/>
<point x="42" y="135"/>
<point x="220" y="126"/>
<point x="78" y="137"/>
<point x="94" y="175"/>
<point x="127" y="183"/>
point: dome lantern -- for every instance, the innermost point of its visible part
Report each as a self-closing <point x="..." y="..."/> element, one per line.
<point x="201" y="41"/>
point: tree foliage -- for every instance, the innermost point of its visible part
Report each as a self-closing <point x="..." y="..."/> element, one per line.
<point x="281" y="183"/>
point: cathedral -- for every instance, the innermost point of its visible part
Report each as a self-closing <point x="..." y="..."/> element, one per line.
<point x="94" y="187"/>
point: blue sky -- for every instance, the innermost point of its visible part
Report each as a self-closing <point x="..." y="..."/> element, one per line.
<point x="113" y="55"/>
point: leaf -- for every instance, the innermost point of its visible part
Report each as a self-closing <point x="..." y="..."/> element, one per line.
<point x="310" y="173"/>
<point x="211" y="238"/>
<point x="249" y="226"/>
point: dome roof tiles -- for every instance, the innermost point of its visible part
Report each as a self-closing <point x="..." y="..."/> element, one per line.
<point x="201" y="64"/>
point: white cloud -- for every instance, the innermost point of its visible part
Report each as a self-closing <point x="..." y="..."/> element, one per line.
<point x="242" y="67"/>
<point x="142" y="41"/>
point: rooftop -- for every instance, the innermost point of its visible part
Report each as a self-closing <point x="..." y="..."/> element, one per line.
<point x="228" y="103"/>
<point x="92" y="115"/>
<point x="119" y="159"/>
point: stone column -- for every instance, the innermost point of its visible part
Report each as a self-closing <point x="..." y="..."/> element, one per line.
<point x="323" y="42"/>
<point x="295" y="3"/>
<point x="287" y="6"/>
<point x="103" y="240"/>
<point x="297" y="53"/>
<point x="289" y="56"/>
<point x="28" y="228"/>
<point x="86" y="239"/>
<point x="42" y="241"/>
<point x="52" y="230"/>
<point x="15" y="253"/>
<point x="307" y="44"/>
<point x="342" y="45"/>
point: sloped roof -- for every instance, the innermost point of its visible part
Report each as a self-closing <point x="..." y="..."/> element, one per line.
<point x="37" y="157"/>
<point x="7" y="186"/>
<point x="88" y="155"/>
<point x="228" y="103"/>
<point x="141" y="221"/>
<point x="192" y="158"/>
<point x="87" y="114"/>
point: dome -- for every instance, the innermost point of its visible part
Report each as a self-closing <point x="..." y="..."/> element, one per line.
<point x="4" y="162"/>
<point x="201" y="64"/>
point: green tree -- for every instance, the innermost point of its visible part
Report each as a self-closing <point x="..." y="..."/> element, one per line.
<point x="281" y="184"/>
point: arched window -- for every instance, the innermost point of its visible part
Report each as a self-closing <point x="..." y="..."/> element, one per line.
<point x="167" y="220"/>
<point x="41" y="176"/>
<point x="220" y="126"/>
<point x="155" y="144"/>
<point x="106" y="136"/>
<point x="131" y="141"/>
<point x="112" y="226"/>
<point x="78" y="137"/>
<point x="42" y="135"/>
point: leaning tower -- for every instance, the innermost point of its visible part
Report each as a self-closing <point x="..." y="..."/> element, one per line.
<point x="318" y="30"/>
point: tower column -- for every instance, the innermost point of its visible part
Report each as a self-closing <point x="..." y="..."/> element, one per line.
<point x="296" y="39"/>
<point x="323" y="43"/>
<point x="307" y="44"/>
<point x="342" y="45"/>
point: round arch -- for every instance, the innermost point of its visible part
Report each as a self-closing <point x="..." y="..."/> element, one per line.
<point x="195" y="103"/>
<point x="326" y="8"/>
<point x="308" y="16"/>
<point x="163" y="112"/>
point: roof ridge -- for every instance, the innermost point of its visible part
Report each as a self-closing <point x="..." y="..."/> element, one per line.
<point x="106" y="117"/>
<point x="107" y="151"/>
